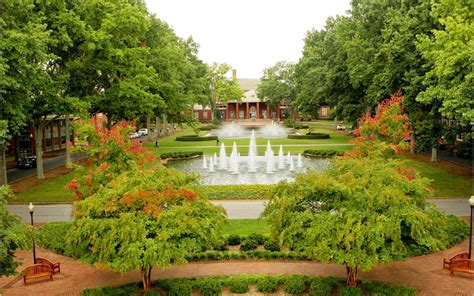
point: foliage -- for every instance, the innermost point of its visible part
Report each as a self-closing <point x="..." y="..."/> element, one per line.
<point x="238" y="286"/>
<point x="52" y="236"/>
<point x="271" y="245"/>
<point x="322" y="153"/>
<point x="233" y="240"/>
<point x="310" y="136"/>
<point x="125" y="290"/>
<point x="143" y="219"/>
<point x="322" y="286"/>
<point x="350" y="291"/>
<point x="180" y="154"/>
<point x="209" y="287"/>
<point x="109" y="153"/>
<point x="375" y="288"/>
<point x="195" y="138"/>
<point x="267" y="284"/>
<point x="257" y="237"/>
<point x="295" y="285"/>
<point x="248" y="244"/>
<point x="14" y="234"/>
<point x="278" y="84"/>
<point x="359" y="213"/>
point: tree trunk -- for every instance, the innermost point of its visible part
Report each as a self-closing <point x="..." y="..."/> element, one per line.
<point x="165" y="131"/>
<point x="148" y="125"/>
<point x="146" y="278"/>
<point x="412" y="143"/>
<point x="68" y="140"/>
<point x="434" y="154"/>
<point x="351" y="276"/>
<point x="3" y="166"/>
<point x="39" y="151"/>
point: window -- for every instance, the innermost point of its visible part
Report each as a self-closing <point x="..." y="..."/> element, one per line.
<point x="204" y="114"/>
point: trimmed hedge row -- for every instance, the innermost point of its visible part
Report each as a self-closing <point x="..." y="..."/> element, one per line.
<point x="310" y="136"/>
<point x="240" y="284"/>
<point x="322" y="153"/>
<point x="195" y="138"/>
<point x="235" y="191"/>
<point x="180" y="154"/>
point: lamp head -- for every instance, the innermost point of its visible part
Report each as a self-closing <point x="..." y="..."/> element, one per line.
<point x="31" y="207"/>
<point x="471" y="201"/>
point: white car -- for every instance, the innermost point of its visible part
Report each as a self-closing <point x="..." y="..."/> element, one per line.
<point x="134" y="135"/>
<point x="143" y="131"/>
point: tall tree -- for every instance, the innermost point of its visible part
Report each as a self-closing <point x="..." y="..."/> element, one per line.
<point x="24" y="43"/>
<point x="144" y="219"/>
<point x="278" y="84"/>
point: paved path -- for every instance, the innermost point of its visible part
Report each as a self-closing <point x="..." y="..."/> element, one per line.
<point x="241" y="209"/>
<point x="424" y="273"/>
<point x="49" y="163"/>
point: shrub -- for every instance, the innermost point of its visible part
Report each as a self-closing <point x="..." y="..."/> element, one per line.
<point x="233" y="240"/>
<point x="248" y="244"/>
<point x="125" y="290"/>
<point x="154" y="293"/>
<point x="320" y="287"/>
<point x="180" y="288"/>
<point x="222" y="246"/>
<point x="294" y="285"/>
<point x="238" y="286"/>
<point x="322" y="153"/>
<point x="195" y="138"/>
<point x="209" y="286"/>
<point x="180" y="154"/>
<point x="350" y="291"/>
<point x="52" y="236"/>
<point x="381" y="289"/>
<point x="267" y="284"/>
<point x="310" y="136"/>
<point x="247" y="191"/>
<point x="257" y="237"/>
<point x="271" y="245"/>
<point x="456" y="229"/>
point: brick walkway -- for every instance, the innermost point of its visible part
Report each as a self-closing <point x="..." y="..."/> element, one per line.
<point x="425" y="273"/>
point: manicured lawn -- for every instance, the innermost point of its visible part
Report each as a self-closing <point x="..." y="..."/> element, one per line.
<point x="444" y="183"/>
<point x="246" y="227"/>
<point x="50" y="191"/>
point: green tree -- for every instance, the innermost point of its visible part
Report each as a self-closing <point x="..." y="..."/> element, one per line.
<point x="144" y="219"/>
<point x="360" y="213"/>
<point x="449" y="54"/>
<point x="278" y="84"/>
<point x="13" y="234"/>
<point x="24" y="42"/>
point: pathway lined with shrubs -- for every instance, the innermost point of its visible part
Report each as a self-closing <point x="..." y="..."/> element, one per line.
<point x="424" y="273"/>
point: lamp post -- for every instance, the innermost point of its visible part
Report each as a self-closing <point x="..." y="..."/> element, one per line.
<point x="31" y="209"/>
<point x="471" y="205"/>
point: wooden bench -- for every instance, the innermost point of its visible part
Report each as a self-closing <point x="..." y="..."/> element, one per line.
<point x="54" y="266"/>
<point x="461" y="265"/>
<point x="37" y="271"/>
<point x="447" y="262"/>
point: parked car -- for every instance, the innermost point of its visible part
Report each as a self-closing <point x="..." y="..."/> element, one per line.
<point x="26" y="161"/>
<point x="143" y="131"/>
<point x="134" y="135"/>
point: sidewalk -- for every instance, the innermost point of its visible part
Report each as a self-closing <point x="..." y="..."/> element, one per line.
<point x="424" y="273"/>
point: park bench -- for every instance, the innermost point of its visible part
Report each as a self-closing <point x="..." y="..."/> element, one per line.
<point x="461" y="265"/>
<point x="447" y="262"/>
<point x="37" y="271"/>
<point x="54" y="266"/>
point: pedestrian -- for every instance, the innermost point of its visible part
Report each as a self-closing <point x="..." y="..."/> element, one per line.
<point x="217" y="141"/>
<point x="157" y="145"/>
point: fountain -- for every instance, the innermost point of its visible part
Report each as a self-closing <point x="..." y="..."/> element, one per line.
<point x="232" y="130"/>
<point x="252" y="164"/>
<point x="204" y="162"/>
<point x="234" y="160"/>
<point x="299" y="163"/>
<point x="222" y="158"/>
<point x="281" y="164"/>
<point x="211" y="165"/>
<point x="215" y="158"/>
<point x="288" y="158"/>
<point x="292" y="165"/>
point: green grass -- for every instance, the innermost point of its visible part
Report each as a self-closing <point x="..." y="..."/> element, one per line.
<point x="444" y="183"/>
<point x="246" y="227"/>
<point x="50" y="191"/>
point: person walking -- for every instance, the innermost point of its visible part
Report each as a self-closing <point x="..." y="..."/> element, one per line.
<point x="157" y="145"/>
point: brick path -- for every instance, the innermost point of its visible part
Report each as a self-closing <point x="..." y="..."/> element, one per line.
<point x="425" y="273"/>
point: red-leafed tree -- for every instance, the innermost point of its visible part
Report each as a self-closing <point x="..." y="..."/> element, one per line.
<point x="386" y="133"/>
<point x="109" y="152"/>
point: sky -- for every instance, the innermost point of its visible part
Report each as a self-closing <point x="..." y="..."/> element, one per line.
<point x="250" y="35"/>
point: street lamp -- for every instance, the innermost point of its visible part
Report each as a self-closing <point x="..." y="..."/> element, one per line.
<point x="471" y="205"/>
<point x="31" y="209"/>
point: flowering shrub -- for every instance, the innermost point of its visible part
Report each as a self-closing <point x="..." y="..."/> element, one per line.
<point x="108" y="152"/>
<point x="384" y="134"/>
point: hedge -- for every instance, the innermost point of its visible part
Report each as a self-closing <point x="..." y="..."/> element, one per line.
<point x="194" y="138"/>
<point x="51" y="236"/>
<point x="214" y="285"/>
<point x="181" y="154"/>
<point x="309" y="136"/>
<point x="255" y="191"/>
<point x="322" y="153"/>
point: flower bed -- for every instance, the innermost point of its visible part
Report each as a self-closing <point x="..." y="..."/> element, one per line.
<point x="322" y="153"/>
<point x="180" y="155"/>
<point x="195" y="138"/>
<point x="310" y="136"/>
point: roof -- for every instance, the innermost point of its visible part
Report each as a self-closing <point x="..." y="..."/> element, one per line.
<point x="248" y="84"/>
